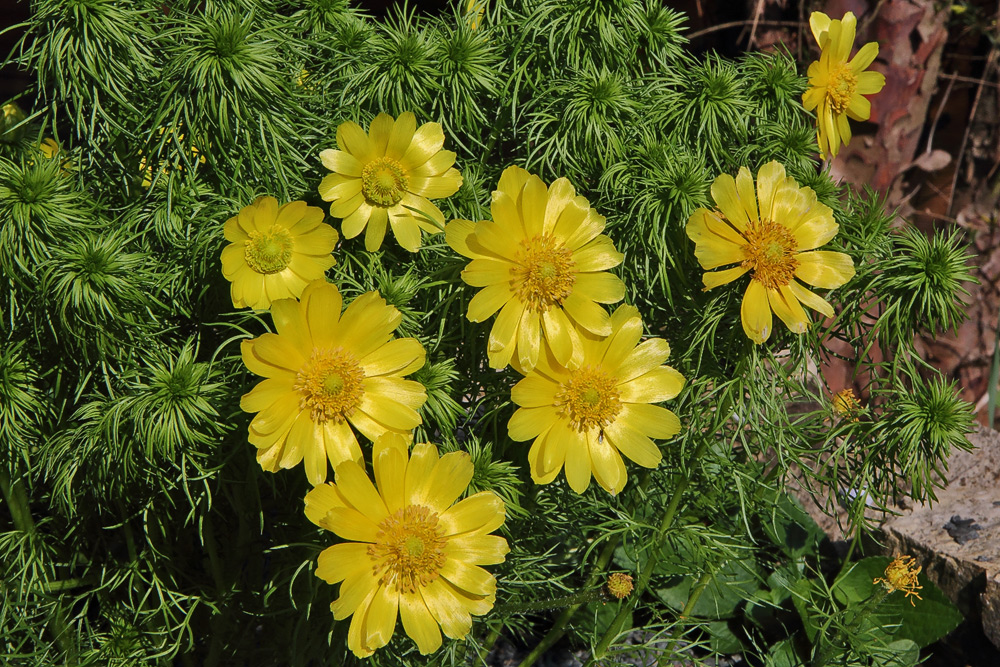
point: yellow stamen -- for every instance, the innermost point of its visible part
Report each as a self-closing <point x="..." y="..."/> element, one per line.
<point x="383" y="182"/>
<point x="846" y="403"/>
<point x="544" y="276"/>
<point x="408" y="551"/>
<point x="329" y="385"/>
<point x="620" y="585"/>
<point x="269" y="252"/>
<point x="840" y="88"/>
<point x="901" y="575"/>
<point x="589" y="399"/>
<point x="770" y="253"/>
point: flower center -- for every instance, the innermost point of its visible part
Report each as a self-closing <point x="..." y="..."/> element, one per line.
<point x="270" y="251"/>
<point x="544" y="276"/>
<point x="329" y="385"/>
<point x="840" y="89"/>
<point x="589" y="399"/>
<point x="770" y="253"/>
<point x="408" y="551"/>
<point x="383" y="181"/>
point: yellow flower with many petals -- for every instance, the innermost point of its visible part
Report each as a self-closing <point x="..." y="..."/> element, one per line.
<point x="587" y="417"/>
<point x="542" y="262"/>
<point x="775" y="242"/>
<point x="275" y="251"/>
<point x="327" y="372"/>
<point x="838" y="86"/>
<point x="411" y="549"/>
<point x="388" y="176"/>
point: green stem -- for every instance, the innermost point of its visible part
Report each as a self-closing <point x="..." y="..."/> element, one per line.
<point x="826" y="651"/>
<point x="558" y="628"/>
<point x="583" y="597"/>
<point x="20" y="512"/>
<point x="654" y="557"/>
<point x="696" y="592"/>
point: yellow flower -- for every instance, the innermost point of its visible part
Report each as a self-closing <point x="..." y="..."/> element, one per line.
<point x="838" y="86"/>
<point x="542" y="262"/>
<point x="776" y="246"/>
<point x="49" y="147"/>
<point x="274" y="252"/>
<point x="474" y="10"/>
<point x="846" y="404"/>
<point x="376" y="176"/>
<point x="410" y="547"/>
<point x="147" y="169"/>
<point x="325" y="373"/>
<point x="901" y="575"/>
<point x="12" y="118"/>
<point x="588" y="416"/>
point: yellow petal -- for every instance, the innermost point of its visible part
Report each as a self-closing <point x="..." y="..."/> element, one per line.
<point x="858" y="109"/>
<point x="745" y="190"/>
<point x="477" y="549"/>
<point x="579" y="224"/>
<point x="419" y="467"/>
<point x="378" y="132"/>
<point x="824" y="268"/>
<point x="456" y="235"/>
<point x="815" y="231"/>
<point x="534" y="198"/>
<point x="532" y="391"/>
<point x="726" y="198"/>
<point x="233" y="258"/>
<point x="399" y="356"/>
<point x="438" y="165"/>
<point x="529" y="338"/>
<point x="418" y="622"/>
<point x="755" y="313"/>
<point x="265" y="394"/>
<point x="600" y="287"/>
<point x="322" y="303"/>
<point x="716" y="278"/>
<point x="626" y="328"/>
<point x="427" y="140"/>
<point x="810" y="299"/>
<point x="449" y="478"/>
<point x="436" y="187"/>
<point x="381" y="619"/>
<point x="560" y="195"/>
<point x="390" y="476"/>
<point x="483" y="272"/>
<point x="512" y="180"/>
<point x="349" y="523"/>
<point x="546" y="457"/>
<point x="356" y="218"/>
<point x="597" y="255"/>
<point x="528" y="423"/>
<point x="819" y="23"/>
<point x="389" y="412"/>
<point x="578" y="468"/>
<point x="609" y="469"/>
<point x="401" y="135"/>
<point x="375" y="231"/>
<point x="342" y="561"/>
<point x="482" y="512"/>
<point x="321" y="500"/>
<point x="471" y="578"/>
<point x="642" y="359"/>
<point x="447" y="608"/>
<point x="360" y="492"/>
<point x="353" y="139"/>
<point x="864" y="57"/>
<point x="301" y="437"/>
<point x="870" y="83"/>
<point x="340" y="443"/>
<point x="356" y="632"/>
<point x="488" y="301"/>
<point x="355" y="596"/>
<point x="716" y="243"/>
<point x="659" y="384"/>
<point x="787" y="308"/>
<point x="769" y="179"/>
<point x="503" y="335"/>
<point x="562" y="338"/>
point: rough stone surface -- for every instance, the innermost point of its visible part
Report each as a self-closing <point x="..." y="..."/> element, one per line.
<point x="967" y="572"/>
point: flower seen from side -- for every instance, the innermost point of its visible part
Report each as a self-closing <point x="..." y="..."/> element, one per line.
<point x="275" y="251"/>
<point x="542" y="263"/>
<point x="837" y="85"/>
<point x="773" y="234"/>
<point x="586" y="418"/>
<point x="901" y="575"/>
<point x="388" y="176"/>
<point x="326" y="372"/>
<point x="410" y="550"/>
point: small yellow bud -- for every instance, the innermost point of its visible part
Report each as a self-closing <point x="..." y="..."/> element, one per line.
<point x="620" y="585"/>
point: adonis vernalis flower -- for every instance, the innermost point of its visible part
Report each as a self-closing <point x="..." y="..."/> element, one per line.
<point x="410" y="548"/>
<point x="542" y="262"/>
<point x="838" y="86"/>
<point x="275" y="251"/>
<point x="587" y="417"/>
<point x="327" y="372"/>
<point x="377" y="175"/>
<point x="775" y="242"/>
